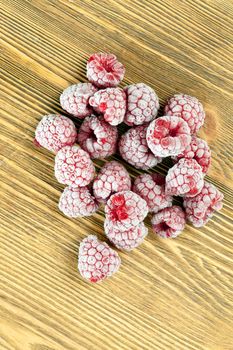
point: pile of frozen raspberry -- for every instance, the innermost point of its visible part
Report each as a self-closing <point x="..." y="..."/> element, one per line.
<point x="102" y="105"/>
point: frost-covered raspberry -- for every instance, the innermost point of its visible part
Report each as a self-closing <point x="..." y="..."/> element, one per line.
<point x="97" y="137"/>
<point x="112" y="178"/>
<point x="74" y="99"/>
<point x="73" y="166"/>
<point x="202" y="207"/>
<point x="54" y="132"/>
<point x="145" y="186"/>
<point x="111" y="102"/>
<point x="126" y="209"/>
<point x="77" y="202"/>
<point x="168" y="136"/>
<point x="188" y="108"/>
<point x="134" y="150"/>
<point x="169" y="222"/>
<point x="96" y="260"/>
<point x="128" y="239"/>
<point x="185" y="178"/>
<point x="142" y="104"/>
<point x="198" y="150"/>
<point x="104" y="70"/>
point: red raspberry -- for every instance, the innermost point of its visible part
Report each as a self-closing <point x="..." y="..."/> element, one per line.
<point x="201" y="208"/>
<point x="111" y="102"/>
<point x="128" y="239"/>
<point x="126" y="209"/>
<point x="73" y="167"/>
<point x="112" y="178"/>
<point x="145" y="186"/>
<point x="77" y="202"/>
<point x="142" y="104"/>
<point x="185" y="178"/>
<point x="97" y="137"/>
<point x="188" y="108"/>
<point x="75" y="99"/>
<point x="96" y="260"/>
<point x="159" y="179"/>
<point x="134" y="150"/>
<point x="54" y="132"/>
<point x="169" y="222"/>
<point x="198" y="150"/>
<point x="168" y="136"/>
<point x="104" y="70"/>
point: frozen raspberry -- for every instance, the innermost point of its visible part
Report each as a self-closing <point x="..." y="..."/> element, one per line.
<point x="168" y="136"/>
<point x="202" y="207"/>
<point x="112" y="178"/>
<point x="73" y="167"/>
<point x="134" y="150"/>
<point x="111" y="102"/>
<point x="128" y="239"/>
<point x="97" y="137"/>
<point x="77" y="202"/>
<point x="142" y="104"/>
<point x="169" y="222"/>
<point x="188" y="108"/>
<point x="75" y="99"/>
<point x="159" y="179"/>
<point x="126" y="209"/>
<point x="54" y="132"/>
<point x="145" y="186"/>
<point x="185" y="178"/>
<point x="97" y="260"/>
<point x="198" y="150"/>
<point x="104" y="70"/>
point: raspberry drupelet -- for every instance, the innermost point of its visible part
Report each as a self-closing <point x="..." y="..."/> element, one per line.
<point x="133" y="149"/>
<point x="75" y="98"/>
<point x="128" y="239"/>
<point x="188" y="108"/>
<point x="97" y="137"/>
<point x="125" y="209"/>
<point x="142" y="104"/>
<point x="168" y="136"/>
<point x="185" y="178"/>
<point x="111" y="102"/>
<point x="146" y="186"/>
<point x="104" y="70"/>
<point x="202" y="207"/>
<point x="198" y="150"/>
<point x="73" y="166"/>
<point x="169" y="222"/>
<point x="112" y="178"/>
<point x="77" y="202"/>
<point x="96" y="260"/>
<point x="54" y="132"/>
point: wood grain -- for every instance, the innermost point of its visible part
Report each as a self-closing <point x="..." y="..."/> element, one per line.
<point x="168" y="294"/>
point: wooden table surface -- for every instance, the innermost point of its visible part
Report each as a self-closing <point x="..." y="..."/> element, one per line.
<point x="168" y="294"/>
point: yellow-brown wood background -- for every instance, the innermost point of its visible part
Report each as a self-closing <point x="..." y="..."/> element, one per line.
<point x="168" y="294"/>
